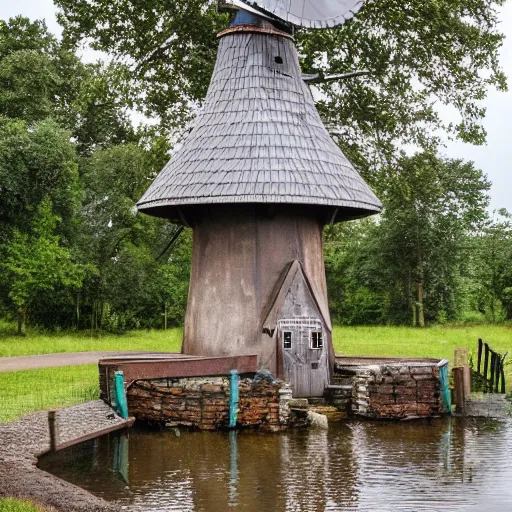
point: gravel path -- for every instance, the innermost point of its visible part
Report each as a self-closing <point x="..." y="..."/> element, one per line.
<point x="21" y="442"/>
<point x="12" y="364"/>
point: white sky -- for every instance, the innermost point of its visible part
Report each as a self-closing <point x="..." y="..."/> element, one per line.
<point x="495" y="158"/>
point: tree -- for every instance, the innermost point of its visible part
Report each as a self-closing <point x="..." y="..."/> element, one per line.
<point x="36" y="161"/>
<point x="96" y="116"/>
<point x="172" y="46"/>
<point x="37" y="262"/>
<point x="40" y="77"/>
<point x="129" y="289"/>
<point x="65" y="138"/>
<point x="492" y="248"/>
<point x="420" y="54"/>
<point x="174" y="277"/>
<point x="415" y="260"/>
<point x="431" y="205"/>
<point x="358" y="290"/>
<point x="36" y="72"/>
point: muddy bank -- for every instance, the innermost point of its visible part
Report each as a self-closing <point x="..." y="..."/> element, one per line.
<point x="22" y="441"/>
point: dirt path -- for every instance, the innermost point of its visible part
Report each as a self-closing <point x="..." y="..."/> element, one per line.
<point x="12" y="364"/>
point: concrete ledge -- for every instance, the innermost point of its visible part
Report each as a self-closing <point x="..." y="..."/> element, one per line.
<point x="488" y="405"/>
<point x="367" y="360"/>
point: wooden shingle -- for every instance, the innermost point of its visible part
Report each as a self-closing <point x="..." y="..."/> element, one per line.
<point x="258" y="139"/>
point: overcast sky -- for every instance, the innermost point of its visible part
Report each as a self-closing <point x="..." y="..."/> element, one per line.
<point x="495" y="158"/>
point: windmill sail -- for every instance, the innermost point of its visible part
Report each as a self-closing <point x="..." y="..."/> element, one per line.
<point x="309" y="13"/>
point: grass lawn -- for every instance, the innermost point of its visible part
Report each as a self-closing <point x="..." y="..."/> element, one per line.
<point x="437" y="341"/>
<point x="33" y="390"/>
<point x="12" y="505"/>
<point x="69" y="341"/>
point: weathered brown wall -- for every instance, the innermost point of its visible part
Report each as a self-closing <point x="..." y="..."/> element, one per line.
<point x="238" y="256"/>
<point x="203" y="403"/>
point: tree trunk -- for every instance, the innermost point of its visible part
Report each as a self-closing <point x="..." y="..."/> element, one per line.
<point x="412" y="300"/>
<point x="419" y="306"/>
<point x="22" y="314"/>
<point x="421" y="313"/>
<point x="78" y="311"/>
<point x="102" y="315"/>
<point x="165" y="317"/>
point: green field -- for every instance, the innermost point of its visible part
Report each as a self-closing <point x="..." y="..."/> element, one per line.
<point x="50" y="343"/>
<point x="26" y="391"/>
<point x="12" y="505"/>
<point x="438" y="341"/>
<point x="33" y="390"/>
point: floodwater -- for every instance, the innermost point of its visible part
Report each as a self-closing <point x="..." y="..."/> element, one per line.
<point x="443" y="465"/>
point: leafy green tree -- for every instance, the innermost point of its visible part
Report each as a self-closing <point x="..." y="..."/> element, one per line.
<point x="174" y="277"/>
<point x="36" y="72"/>
<point x="26" y="77"/>
<point x="96" y="115"/>
<point x="431" y="205"/>
<point x="142" y="291"/>
<point x="130" y="289"/>
<point x="41" y="77"/>
<point x="172" y="46"/>
<point x="358" y="290"/>
<point x="414" y="260"/>
<point x="37" y="262"/>
<point x="36" y="161"/>
<point x="419" y="53"/>
<point x="492" y="250"/>
<point x="52" y="107"/>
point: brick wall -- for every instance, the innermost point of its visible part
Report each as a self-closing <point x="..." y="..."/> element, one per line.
<point x="203" y="403"/>
<point x="396" y="391"/>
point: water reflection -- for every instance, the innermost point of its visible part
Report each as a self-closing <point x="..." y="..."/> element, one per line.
<point x="447" y="464"/>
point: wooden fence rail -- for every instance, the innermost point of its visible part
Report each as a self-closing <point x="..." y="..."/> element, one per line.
<point x="493" y="369"/>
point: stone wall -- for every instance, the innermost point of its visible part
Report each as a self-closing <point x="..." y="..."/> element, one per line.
<point x="203" y="403"/>
<point x="394" y="391"/>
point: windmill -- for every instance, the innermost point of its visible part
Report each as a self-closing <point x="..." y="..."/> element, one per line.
<point x="257" y="178"/>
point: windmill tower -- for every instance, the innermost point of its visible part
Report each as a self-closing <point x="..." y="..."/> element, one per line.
<point x="257" y="179"/>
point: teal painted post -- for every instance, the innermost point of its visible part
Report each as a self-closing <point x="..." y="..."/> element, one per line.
<point x="445" y="389"/>
<point x="122" y="404"/>
<point x="233" y="399"/>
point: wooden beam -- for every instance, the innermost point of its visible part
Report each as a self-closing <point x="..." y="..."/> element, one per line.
<point x="480" y="348"/>
<point x="93" y="435"/>
<point x="182" y="367"/>
<point x="458" y="377"/>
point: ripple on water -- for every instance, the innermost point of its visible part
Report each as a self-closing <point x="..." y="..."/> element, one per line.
<point x="443" y="465"/>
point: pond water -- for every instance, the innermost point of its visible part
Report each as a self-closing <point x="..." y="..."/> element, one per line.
<point x="447" y="464"/>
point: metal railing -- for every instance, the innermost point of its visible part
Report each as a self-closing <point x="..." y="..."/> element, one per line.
<point x="491" y="367"/>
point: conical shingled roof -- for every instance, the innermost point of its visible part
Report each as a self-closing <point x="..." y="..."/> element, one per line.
<point x="259" y="139"/>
